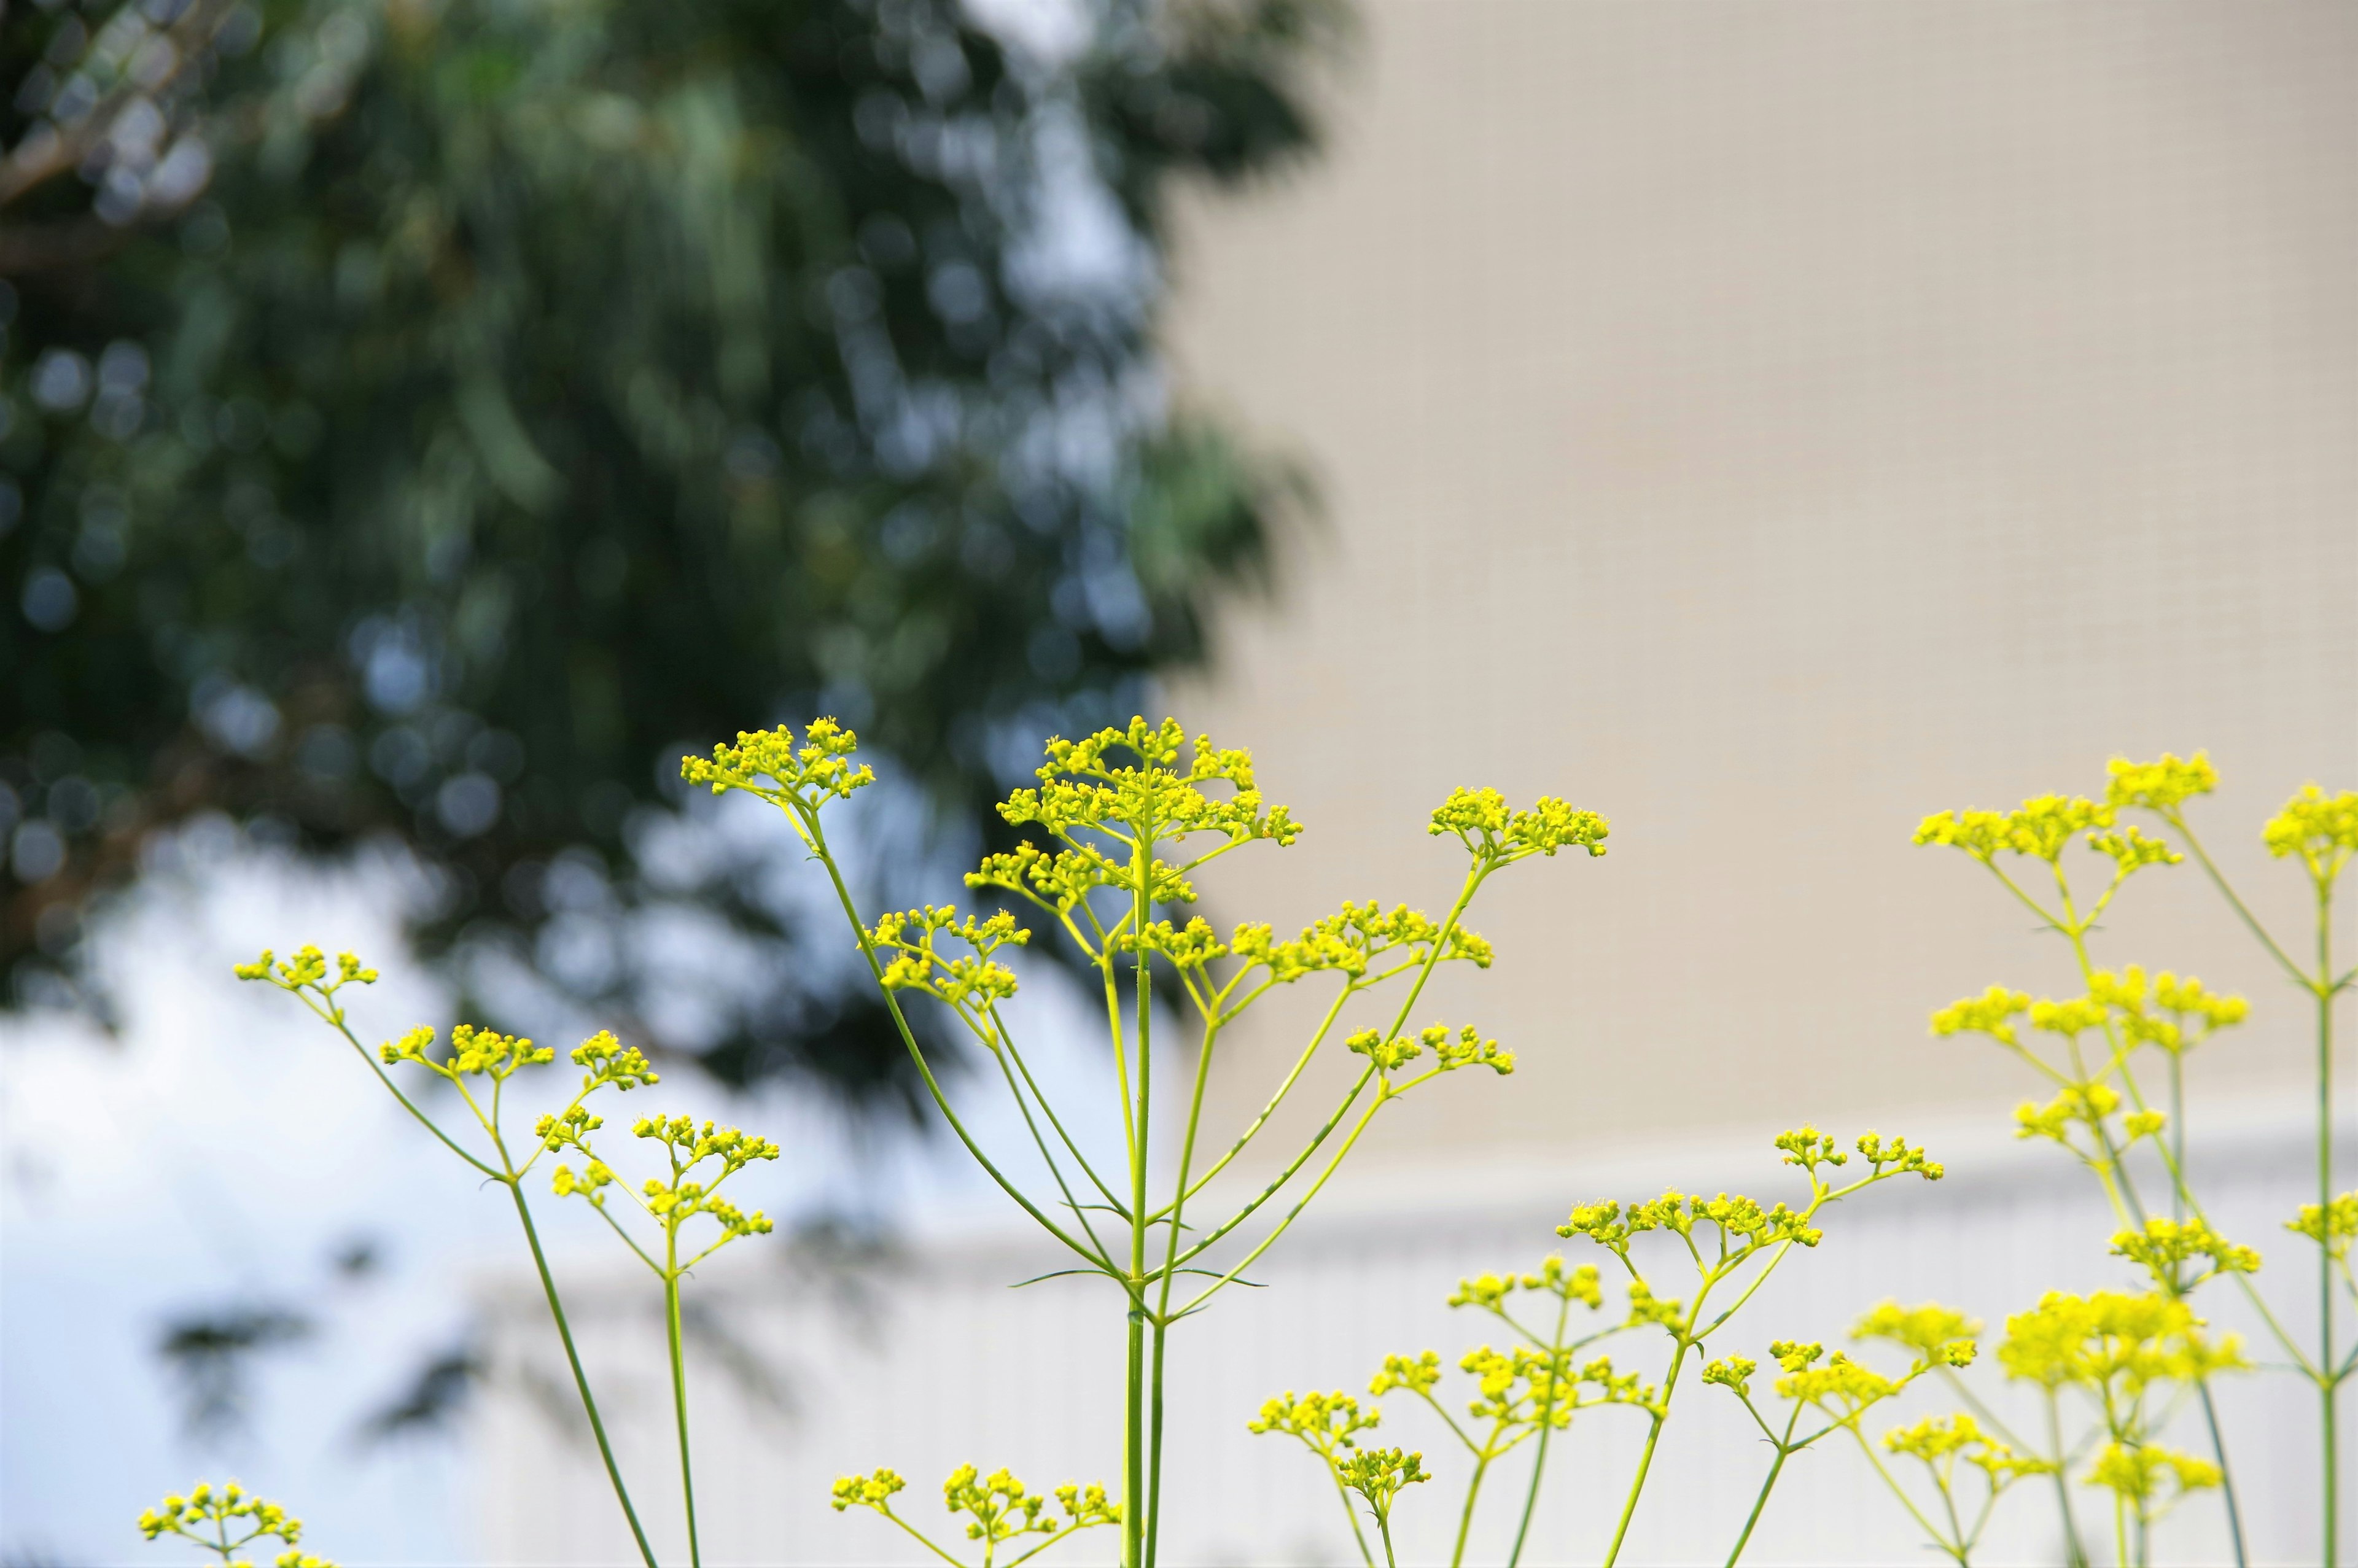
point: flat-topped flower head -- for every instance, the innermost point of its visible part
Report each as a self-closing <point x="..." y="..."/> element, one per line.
<point x="1938" y="1334"/>
<point x="308" y="969"/>
<point x="1808" y="1149"/>
<point x="2332" y="1225"/>
<point x="1732" y="1373"/>
<point x="2133" y="849"/>
<point x="2074" y="1106"/>
<point x="2322" y="830"/>
<point x="1992" y="1013"/>
<point x="1417" y="1374"/>
<point x="1351" y="942"/>
<point x="2147" y="1474"/>
<point x="1842" y="1387"/>
<point x="2161" y="787"/>
<point x="226" y="1520"/>
<point x="908" y="945"/>
<point x="872" y="1491"/>
<point x="806" y="772"/>
<point x="1326" y="1422"/>
<point x="1940" y="1441"/>
<point x="2112" y="1340"/>
<point x="1496" y="833"/>
<point x="2038" y="828"/>
<point x="474" y="1053"/>
<point x="1895" y="1156"/>
<point x="997" y="1507"/>
<point x="2165" y="1246"/>
<point x="1131" y="785"/>
<point x="608" y="1061"/>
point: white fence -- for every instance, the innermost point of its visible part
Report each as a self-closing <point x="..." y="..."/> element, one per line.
<point x="925" y="1358"/>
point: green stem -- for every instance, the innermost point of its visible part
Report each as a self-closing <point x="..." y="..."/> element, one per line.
<point x="1466" y="1516"/>
<point x="2329" y="1389"/>
<point x="680" y="1388"/>
<point x="1759" y="1503"/>
<point x="1133" y="1457"/>
<point x="1645" y="1461"/>
<point x="1547" y="1425"/>
<point x="1384" y="1524"/>
<point x="1144" y="1467"/>
<point x="817" y="843"/>
<point x="2226" y="1476"/>
<point x="1349" y="1512"/>
<point x="2074" y="1554"/>
<point x="580" y="1379"/>
<point x="1891" y="1481"/>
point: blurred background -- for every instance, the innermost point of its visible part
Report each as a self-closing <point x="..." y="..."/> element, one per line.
<point x="1764" y="425"/>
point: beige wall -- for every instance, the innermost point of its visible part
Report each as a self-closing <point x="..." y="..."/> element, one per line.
<point x="1766" y="424"/>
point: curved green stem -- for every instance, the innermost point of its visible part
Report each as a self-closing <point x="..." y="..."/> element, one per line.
<point x="580" y="1379"/>
<point x="679" y="1400"/>
<point x="817" y="842"/>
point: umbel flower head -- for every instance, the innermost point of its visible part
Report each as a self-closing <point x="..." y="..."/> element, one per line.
<point x="225" y="1520"/>
<point x="2322" y="830"/>
<point x="998" y="1506"/>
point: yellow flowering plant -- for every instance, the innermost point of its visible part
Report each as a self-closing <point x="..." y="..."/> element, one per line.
<point x="999" y="1510"/>
<point x="227" y="1520"/>
<point x="1535" y="1388"/>
<point x="477" y="1065"/>
<point x="1838" y="1394"/>
<point x="1119" y="828"/>
<point x="2094" y="1050"/>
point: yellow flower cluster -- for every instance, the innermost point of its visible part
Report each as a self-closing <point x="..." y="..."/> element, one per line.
<point x="2322" y="830"/>
<point x="970" y="982"/>
<point x="1842" y="1388"/>
<point x="2195" y="1013"/>
<point x="1467" y="1048"/>
<point x="1347" y="943"/>
<point x="1082" y="789"/>
<point x="1992" y="1013"/>
<point x="1938" y="1334"/>
<point x="2330" y="1226"/>
<point x="1058" y="881"/>
<point x="228" y="1519"/>
<point x="1325" y="1421"/>
<point x="2042" y="827"/>
<point x="674" y="1202"/>
<point x="2111" y="1341"/>
<point x="2165" y="1245"/>
<point x="1940" y="1441"/>
<point x="2076" y="1105"/>
<point x="1492" y="833"/>
<point x="819" y="769"/>
<point x="306" y="969"/>
<point x="1738" y="1218"/>
<point x="874" y="1491"/>
<point x="1417" y="1374"/>
<point x="998" y="1508"/>
<point x="1732" y="1373"/>
<point x="481" y="1052"/>
<point x="2159" y="786"/>
<point x="2138" y="1471"/>
<point x="1378" y="1474"/>
<point x="1490" y="1292"/>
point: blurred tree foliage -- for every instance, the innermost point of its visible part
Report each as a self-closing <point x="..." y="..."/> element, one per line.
<point x="427" y="417"/>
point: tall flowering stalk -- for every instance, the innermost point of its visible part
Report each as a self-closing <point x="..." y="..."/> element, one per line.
<point x="1120" y="824"/>
<point x="478" y="1067"/>
<point x="2091" y="1048"/>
